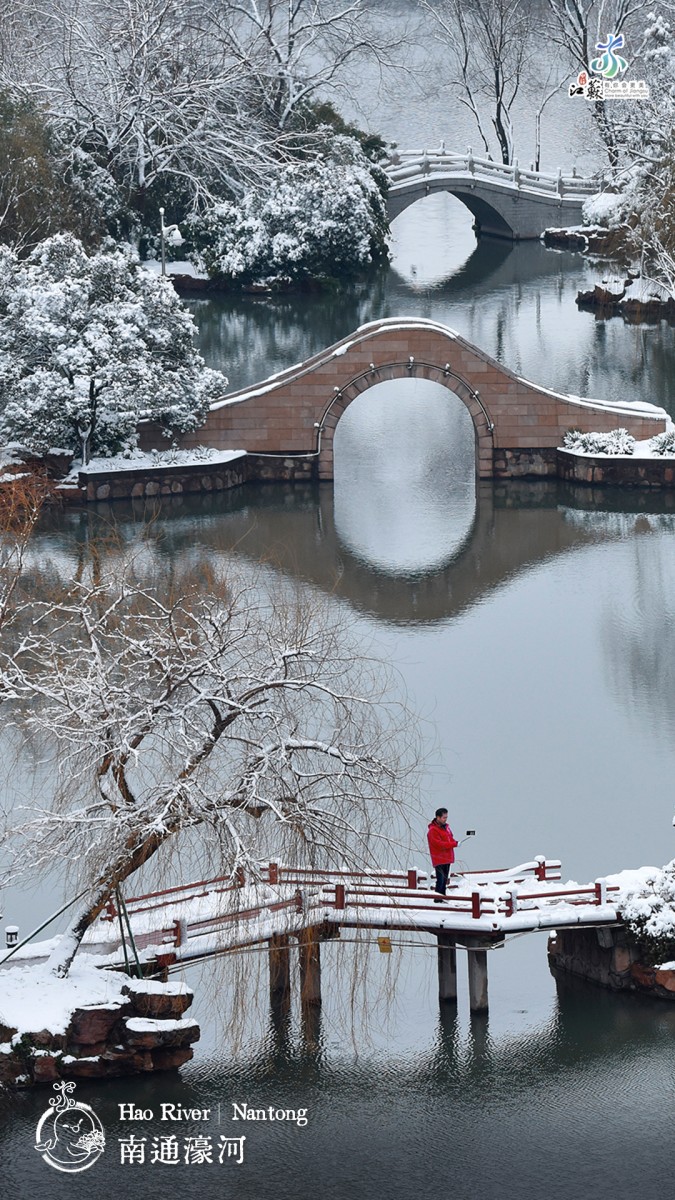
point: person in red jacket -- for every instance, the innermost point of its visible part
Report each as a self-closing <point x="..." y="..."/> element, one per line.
<point x="442" y="849"/>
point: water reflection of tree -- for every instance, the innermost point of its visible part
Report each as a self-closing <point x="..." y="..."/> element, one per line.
<point x="257" y="335"/>
<point x="638" y="633"/>
<point x="97" y="668"/>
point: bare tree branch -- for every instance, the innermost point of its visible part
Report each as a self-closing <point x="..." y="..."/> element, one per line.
<point x="226" y="706"/>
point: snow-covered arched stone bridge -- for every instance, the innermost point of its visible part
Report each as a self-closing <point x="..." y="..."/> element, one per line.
<point x="506" y="201"/>
<point x="517" y="424"/>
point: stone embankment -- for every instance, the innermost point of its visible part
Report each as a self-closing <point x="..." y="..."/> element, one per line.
<point x="627" y="294"/>
<point x="188" y="480"/>
<point x="606" y="957"/>
<point x="590" y="239"/>
<point x="616" y="470"/>
<point x="142" y="1030"/>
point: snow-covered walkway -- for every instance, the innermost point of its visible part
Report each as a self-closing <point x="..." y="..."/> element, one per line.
<point x="216" y="916"/>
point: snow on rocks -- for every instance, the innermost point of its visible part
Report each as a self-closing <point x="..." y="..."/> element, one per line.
<point x="149" y="1034"/>
<point x="34" y="999"/>
<point x="604" y="209"/>
<point x="93" y="1023"/>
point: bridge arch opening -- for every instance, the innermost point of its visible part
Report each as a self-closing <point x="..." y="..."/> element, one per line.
<point x="405" y="477"/>
<point x="487" y="217"/>
<point x="432" y="240"/>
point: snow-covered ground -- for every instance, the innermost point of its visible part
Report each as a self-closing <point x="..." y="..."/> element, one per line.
<point x="153" y="460"/>
<point x="174" y="268"/>
<point x="33" y="998"/>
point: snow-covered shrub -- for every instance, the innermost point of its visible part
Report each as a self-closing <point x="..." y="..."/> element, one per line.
<point x="607" y="209"/>
<point x="319" y="219"/>
<point x="663" y="443"/>
<point x="619" y="441"/>
<point x="649" y="913"/>
<point x="90" y="345"/>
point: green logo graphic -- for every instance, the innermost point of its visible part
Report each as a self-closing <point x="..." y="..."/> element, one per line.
<point x="609" y="64"/>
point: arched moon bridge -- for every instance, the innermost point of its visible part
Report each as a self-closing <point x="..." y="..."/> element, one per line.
<point x="506" y="201"/>
<point x="518" y="425"/>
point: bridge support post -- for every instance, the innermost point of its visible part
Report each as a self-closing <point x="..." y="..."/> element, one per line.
<point x="309" y="955"/>
<point x="447" y="968"/>
<point x="478" y="979"/>
<point x="280" y="972"/>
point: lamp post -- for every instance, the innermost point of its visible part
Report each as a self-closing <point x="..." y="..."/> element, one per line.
<point x="172" y="232"/>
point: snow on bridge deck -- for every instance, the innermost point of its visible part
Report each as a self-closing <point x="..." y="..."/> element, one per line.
<point x="217" y="916"/>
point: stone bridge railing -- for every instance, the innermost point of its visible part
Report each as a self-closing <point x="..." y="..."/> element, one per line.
<point x="410" y="164"/>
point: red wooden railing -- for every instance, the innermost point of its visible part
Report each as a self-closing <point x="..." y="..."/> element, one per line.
<point x="358" y="890"/>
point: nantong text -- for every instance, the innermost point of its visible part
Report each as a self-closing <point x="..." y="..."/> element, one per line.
<point x="240" y="1112"/>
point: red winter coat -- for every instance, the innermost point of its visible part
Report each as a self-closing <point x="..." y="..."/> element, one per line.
<point x="441" y="843"/>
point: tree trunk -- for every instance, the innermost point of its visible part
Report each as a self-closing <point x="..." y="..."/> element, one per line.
<point x="63" y="954"/>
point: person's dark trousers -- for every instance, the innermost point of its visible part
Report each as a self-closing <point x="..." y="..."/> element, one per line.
<point x="442" y="874"/>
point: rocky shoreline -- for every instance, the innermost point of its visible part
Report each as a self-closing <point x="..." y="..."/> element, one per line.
<point x="606" y="957"/>
<point x="635" y="299"/>
<point x="140" y="1031"/>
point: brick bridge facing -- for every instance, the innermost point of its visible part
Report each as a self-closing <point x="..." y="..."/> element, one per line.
<point x="517" y="424"/>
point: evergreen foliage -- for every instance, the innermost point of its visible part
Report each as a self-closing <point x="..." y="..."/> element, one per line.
<point x="35" y="198"/>
<point x="618" y="441"/>
<point x="663" y="443"/>
<point x="322" y="219"/>
<point x="89" y="345"/>
<point x="649" y="914"/>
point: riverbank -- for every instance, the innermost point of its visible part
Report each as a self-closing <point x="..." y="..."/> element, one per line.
<point x="626" y="293"/>
<point x="92" y="1024"/>
<point x="214" y="472"/>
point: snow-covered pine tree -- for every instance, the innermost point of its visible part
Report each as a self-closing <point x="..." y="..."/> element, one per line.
<point x="319" y="218"/>
<point x="90" y="344"/>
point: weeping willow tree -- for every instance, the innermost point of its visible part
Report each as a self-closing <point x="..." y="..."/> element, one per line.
<point x="225" y="711"/>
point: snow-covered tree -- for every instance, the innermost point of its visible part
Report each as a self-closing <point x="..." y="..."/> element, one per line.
<point x="21" y="504"/>
<point x="293" y="52"/>
<point x="489" y="51"/>
<point x="35" y="200"/>
<point x="577" y="27"/>
<point x="142" y="90"/>
<point x="90" y="344"/>
<point x="325" y="218"/>
<point x="227" y="715"/>
<point x="643" y="208"/>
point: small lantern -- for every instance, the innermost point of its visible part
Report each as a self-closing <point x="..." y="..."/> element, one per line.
<point x="11" y="936"/>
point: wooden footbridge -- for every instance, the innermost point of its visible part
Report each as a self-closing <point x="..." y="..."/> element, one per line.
<point x="196" y="921"/>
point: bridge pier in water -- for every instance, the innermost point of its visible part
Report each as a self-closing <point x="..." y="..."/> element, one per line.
<point x="309" y="963"/>
<point x="447" y="968"/>
<point x="280" y="972"/>
<point x="478" y="978"/>
<point x="476" y="954"/>
<point x="309" y="956"/>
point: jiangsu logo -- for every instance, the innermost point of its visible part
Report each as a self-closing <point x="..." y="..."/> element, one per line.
<point x="609" y="64"/>
<point x="69" y="1135"/>
<point x="603" y="83"/>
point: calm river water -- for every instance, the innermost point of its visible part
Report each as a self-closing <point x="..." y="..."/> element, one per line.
<point x="533" y="626"/>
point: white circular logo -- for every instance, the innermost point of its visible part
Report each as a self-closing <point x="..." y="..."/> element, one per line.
<point x="69" y="1135"/>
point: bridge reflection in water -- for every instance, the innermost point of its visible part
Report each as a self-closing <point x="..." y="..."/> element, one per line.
<point x="516" y="527"/>
<point x="405" y="491"/>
